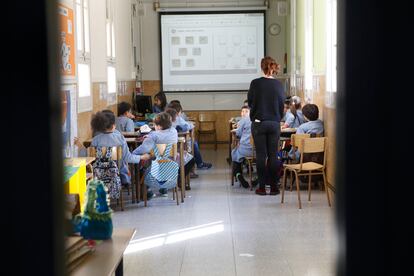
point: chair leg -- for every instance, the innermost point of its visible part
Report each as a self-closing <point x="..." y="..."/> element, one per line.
<point x="283" y="184"/>
<point x="121" y="199"/>
<point x="250" y="176"/>
<point x="176" y="195"/>
<point x="309" y="187"/>
<point x="145" y="195"/>
<point x="215" y="141"/>
<point x="291" y="180"/>
<point x="326" y="189"/>
<point x="297" y="187"/>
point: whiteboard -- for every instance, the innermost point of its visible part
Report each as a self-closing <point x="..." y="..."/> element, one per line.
<point x="209" y="100"/>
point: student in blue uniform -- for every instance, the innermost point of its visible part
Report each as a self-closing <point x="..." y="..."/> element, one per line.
<point x="183" y="115"/>
<point x="286" y="109"/>
<point x="294" y="116"/>
<point x="181" y="125"/>
<point x="189" y="160"/>
<point x="313" y="126"/>
<point x="244" y="148"/>
<point x="105" y="135"/>
<point x="124" y="121"/>
<point x="163" y="134"/>
<point x="160" y="102"/>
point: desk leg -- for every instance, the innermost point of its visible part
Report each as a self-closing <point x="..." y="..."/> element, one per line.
<point x="182" y="175"/>
<point x="120" y="268"/>
<point x="230" y="142"/>
<point x="133" y="180"/>
<point x="137" y="183"/>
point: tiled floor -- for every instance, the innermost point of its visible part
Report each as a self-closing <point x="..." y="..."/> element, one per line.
<point x="225" y="230"/>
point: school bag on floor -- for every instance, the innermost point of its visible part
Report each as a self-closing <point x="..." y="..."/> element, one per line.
<point x="163" y="171"/>
<point x="106" y="170"/>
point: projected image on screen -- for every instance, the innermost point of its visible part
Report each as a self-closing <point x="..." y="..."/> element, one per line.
<point x="211" y="52"/>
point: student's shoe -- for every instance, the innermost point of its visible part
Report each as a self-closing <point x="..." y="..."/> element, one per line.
<point x="242" y="181"/>
<point x="163" y="192"/>
<point x="187" y="188"/>
<point x="193" y="175"/>
<point x="205" y="165"/>
<point x="150" y="195"/>
<point x="261" y="191"/>
<point x="274" y="191"/>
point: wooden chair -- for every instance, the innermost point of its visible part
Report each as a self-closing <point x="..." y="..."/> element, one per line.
<point x="251" y="161"/>
<point x="308" y="145"/>
<point x="295" y="141"/>
<point x="207" y="126"/>
<point x="116" y="156"/>
<point x="173" y="155"/>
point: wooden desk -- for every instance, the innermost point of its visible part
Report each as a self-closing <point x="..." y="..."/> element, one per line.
<point x="131" y="134"/>
<point x="76" y="180"/>
<point x="107" y="257"/>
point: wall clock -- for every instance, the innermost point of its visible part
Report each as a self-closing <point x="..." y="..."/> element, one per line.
<point x="274" y="29"/>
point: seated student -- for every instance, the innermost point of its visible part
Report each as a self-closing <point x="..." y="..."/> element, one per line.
<point x="183" y="115"/>
<point x="163" y="134"/>
<point x="314" y="126"/>
<point x="244" y="148"/>
<point x="189" y="160"/>
<point x="286" y="108"/>
<point x="181" y="125"/>
<point x="124" y="121"/>
<point x="160" y="102"/>
<point x="294" y="116"/>
<point x="105" y="135"/>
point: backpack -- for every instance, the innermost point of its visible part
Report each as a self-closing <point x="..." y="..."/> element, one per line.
<point x="96" y="221"/>
<point x="163" y="172"/>
<point x="106" y="170"/>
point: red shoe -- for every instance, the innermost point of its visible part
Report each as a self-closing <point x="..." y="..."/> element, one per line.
<point x="261" y="191"/>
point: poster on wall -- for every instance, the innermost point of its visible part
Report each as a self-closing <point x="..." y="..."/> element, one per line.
<point x="69" y="120"/>
<point x="67" y="43"/>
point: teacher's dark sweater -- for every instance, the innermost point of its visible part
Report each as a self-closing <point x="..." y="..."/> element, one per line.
<point x="266" y="97"/>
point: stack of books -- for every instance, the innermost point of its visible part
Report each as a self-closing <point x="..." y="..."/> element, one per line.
<point x="76" y="249"/>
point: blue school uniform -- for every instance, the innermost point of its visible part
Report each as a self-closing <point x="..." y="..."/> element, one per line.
<point x="244" y="148"/>
<point x="156" y="109"/>
<point x="292" y="121"/>
<point x="182" y="125"/>
<point x="311" y="127"/>
<point x="165" y="136"/>
<point x="124" y="124"/>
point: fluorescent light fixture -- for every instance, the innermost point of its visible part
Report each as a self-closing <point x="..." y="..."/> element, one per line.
<point x="196" y="9"/>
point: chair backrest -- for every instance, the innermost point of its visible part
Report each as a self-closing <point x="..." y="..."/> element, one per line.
<point x="313" y="145"/>
<point x="297" y="138"/>
<point x="116" y="153"/>
<point x="162" y="147"/>
<point x="253" y="146"/>
<point x="206" y="117"/>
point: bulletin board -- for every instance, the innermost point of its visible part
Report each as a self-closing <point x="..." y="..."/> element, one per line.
<point x="67" y="43"/>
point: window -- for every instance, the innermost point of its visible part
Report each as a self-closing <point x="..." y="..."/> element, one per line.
<point x="331" y="45"/>
<point x="308" y="44"/>
<point x="111" y="79"/>
<point x="110" y="31"/>
<point x="110" y="52"/>
<point x="83" y="55"/>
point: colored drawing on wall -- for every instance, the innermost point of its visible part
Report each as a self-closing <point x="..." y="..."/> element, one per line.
<point x="69" y="120"/>
<point x="67" y="42"/>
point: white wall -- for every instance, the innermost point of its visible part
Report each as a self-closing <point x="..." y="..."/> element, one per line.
<point x="124" y="59"/>
<point x="275" y="45"/>
<point x="97" y="20"/>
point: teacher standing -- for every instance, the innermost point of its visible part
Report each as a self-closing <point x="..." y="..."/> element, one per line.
<point x="266" y="98"/>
